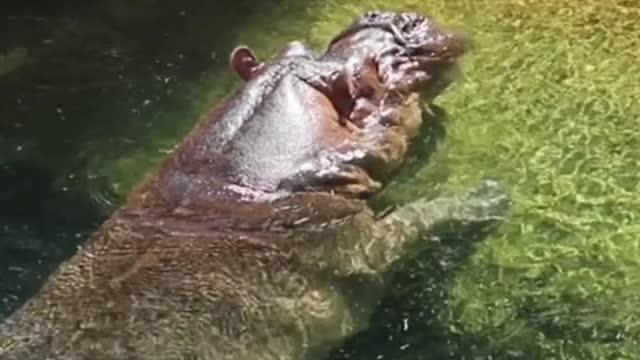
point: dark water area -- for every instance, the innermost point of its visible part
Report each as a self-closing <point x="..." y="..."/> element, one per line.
<point x="81" y="80"/>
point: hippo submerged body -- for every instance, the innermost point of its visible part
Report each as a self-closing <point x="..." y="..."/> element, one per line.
<point x="253" y="240"/>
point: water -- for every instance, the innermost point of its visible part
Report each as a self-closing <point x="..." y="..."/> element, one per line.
<point x="94" y="94"/>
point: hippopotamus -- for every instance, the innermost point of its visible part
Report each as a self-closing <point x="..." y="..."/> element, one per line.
<point x="253" y="239"/>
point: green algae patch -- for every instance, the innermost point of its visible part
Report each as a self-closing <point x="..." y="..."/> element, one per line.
<point x="549" y="105"/>
<point x="558" y="95"/>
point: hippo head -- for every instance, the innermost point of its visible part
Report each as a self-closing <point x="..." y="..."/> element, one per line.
<point x="413" y="53"/>
<point x="341" y="122"/>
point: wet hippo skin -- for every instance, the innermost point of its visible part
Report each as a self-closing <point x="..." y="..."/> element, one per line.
<point x="253" y="239"/>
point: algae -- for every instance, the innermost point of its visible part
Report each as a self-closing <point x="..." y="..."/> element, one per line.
<point x="549" y="105"/>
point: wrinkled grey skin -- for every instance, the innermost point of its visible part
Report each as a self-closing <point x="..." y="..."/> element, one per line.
<point x="252" y="240"/>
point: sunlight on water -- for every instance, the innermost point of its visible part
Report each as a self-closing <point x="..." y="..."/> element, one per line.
<point x="549" y="105"/>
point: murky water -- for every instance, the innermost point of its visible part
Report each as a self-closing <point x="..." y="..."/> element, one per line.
<point x="84" y="89"/>
<point x="95" y="93"/>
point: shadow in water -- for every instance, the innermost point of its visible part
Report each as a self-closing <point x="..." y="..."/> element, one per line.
<point x="432" y="134"/>
<point x="40" y="226"/>
<point x="409" y="323"/>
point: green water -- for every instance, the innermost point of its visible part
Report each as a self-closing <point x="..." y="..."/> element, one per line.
<point x="549" y="104"/>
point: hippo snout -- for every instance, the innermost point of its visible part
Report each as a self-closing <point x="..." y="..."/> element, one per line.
<point x="413" y="53"/>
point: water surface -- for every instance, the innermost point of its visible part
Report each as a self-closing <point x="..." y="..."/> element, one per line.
<point x="94" y="95"/>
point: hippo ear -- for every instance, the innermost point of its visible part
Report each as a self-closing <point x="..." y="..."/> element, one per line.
<point x="244" y="62"/>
